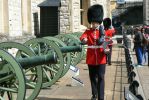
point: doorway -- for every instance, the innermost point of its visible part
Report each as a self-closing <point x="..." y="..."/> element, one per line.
<point x="84" y="5"/>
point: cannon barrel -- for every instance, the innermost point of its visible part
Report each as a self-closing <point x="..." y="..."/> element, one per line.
<point x="37" y="60"/>
<point x="28" y="62"/>
<point x="67" y="49"/>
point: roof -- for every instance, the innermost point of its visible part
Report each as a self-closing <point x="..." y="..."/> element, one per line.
<point x="133" y="0"/>
<point x="121" y="9"/>
<point x="50" y="3"/>
<point x="117" y="12"/>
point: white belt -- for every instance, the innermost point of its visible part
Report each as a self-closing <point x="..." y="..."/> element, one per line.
<point x="94" y="47"/>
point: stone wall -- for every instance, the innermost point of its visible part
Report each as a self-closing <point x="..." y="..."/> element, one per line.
<point x="70" y="19"/>
<point x="15" y="17"/>
<point x="69" y="16"/>
<point x="65" y="16"/>
<point x="18" y="39"/>
<point x="75" y="15"/>
<point x="34" y="9"/>
<point x="146" y="12"/>
<point x="1" y="16"/>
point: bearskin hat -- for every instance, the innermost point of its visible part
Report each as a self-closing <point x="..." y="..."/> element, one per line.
<point x="107" y="23"/>
<point x="95" y="13"/>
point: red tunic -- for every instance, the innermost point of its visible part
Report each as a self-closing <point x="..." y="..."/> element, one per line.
<point x="109" y="33"/>
<point x="95" y="56"/>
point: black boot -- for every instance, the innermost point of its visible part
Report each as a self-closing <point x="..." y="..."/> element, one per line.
<point x="94" y="97"/>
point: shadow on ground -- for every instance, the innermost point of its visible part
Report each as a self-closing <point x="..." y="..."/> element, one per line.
<point x="46" y="98"/>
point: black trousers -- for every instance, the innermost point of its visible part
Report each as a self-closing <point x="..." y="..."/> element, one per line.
<point x="97" y="79"/>
<point x="109" y="55"/>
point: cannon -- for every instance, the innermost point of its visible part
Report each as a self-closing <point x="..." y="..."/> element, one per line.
<point x="72" y="40"/>
<point x="67" y="51"/>
<point x="32" y="69"/>
<point x="40" y="57"/>
<point x="69" y="41"/>
<point x="43" y="61"/>
<point x="8" y="69"/>
<point x="77" y="36"/>
<point x="41" y="46"/>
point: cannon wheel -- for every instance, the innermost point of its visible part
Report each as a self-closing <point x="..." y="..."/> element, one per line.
<point x="76" y="36"/>
<point x="33" y="75"/>
<point x="14" y="76"/>
<point x="69" y="40"/>
<point x="51" y="72"/>
<point x="66" y="56"/>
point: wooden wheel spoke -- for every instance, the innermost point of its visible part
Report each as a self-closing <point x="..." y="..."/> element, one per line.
<point x="31" y="84"/>
<point x="24" y="54"/>
<point x="50" y="69"/>
<point x="47" y="76"/>
<point x="14" y="90"/>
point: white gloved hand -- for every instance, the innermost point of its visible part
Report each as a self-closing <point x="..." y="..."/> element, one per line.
<point x="84" y="41"/>
<point x="107" y="51"/>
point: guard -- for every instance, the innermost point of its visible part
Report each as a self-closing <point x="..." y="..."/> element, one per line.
<point x="109" y="33"/>
<point x="96" y="54"/>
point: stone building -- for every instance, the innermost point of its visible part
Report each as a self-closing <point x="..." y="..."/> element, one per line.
<point x="129" y="9"/>
<point x="16" y="16"/>
<point x="146" y="12"/>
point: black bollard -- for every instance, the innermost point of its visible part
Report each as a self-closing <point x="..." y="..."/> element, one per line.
<point x="134" y="87"/>
<point x="131" y="77"/>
